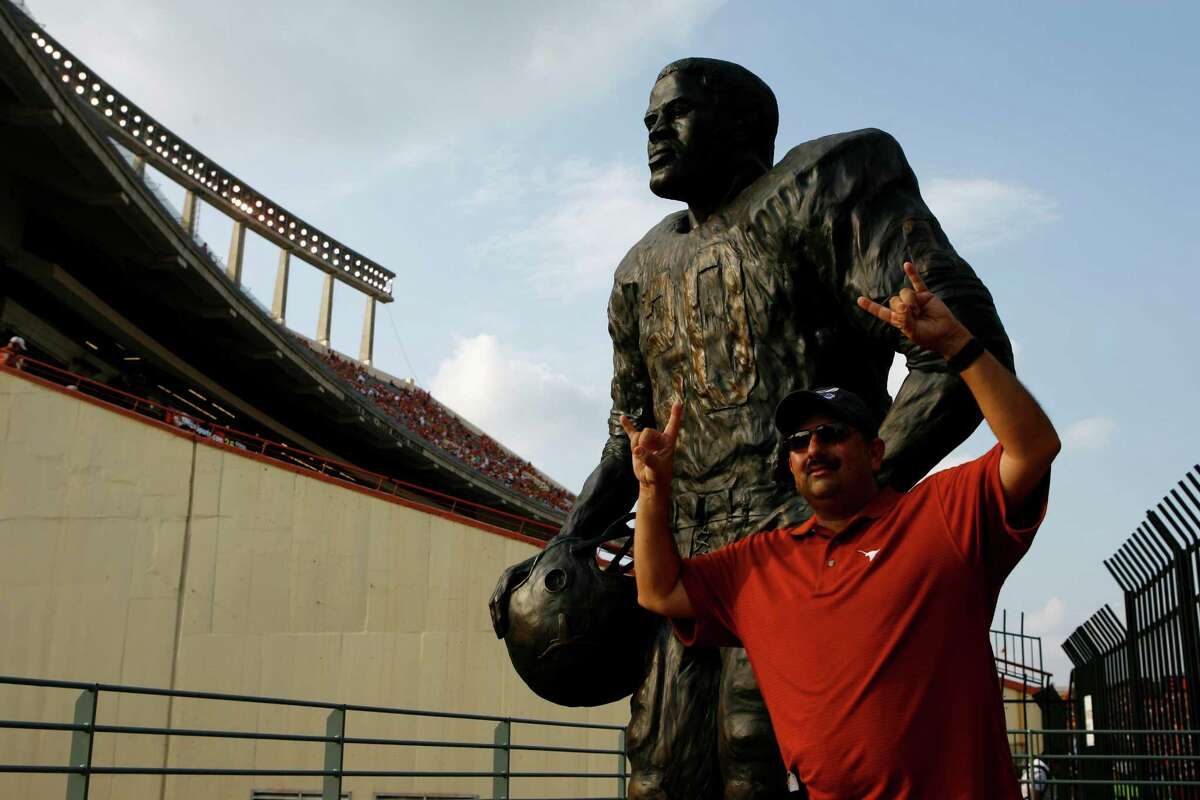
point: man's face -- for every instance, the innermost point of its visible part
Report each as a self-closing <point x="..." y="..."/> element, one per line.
<point x="686" y="149"/>
<point x="831" y="470"/>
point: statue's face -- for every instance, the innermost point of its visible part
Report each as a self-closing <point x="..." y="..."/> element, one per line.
<point x="686" y="149"/>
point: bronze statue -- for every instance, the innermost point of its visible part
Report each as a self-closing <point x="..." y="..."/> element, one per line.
<point x="727" y="307"/>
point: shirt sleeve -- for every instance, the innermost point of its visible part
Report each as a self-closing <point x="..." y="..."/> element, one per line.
<point x="978" y="519"/>
<point x="711" y="581"/>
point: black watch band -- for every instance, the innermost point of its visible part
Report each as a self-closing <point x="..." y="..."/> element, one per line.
<point x="968" y="355"/>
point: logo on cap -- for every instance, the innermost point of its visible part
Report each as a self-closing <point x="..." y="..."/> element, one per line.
<point x="828" y="394"/>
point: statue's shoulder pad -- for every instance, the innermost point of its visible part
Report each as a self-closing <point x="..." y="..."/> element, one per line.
<point x="870" y="143"/>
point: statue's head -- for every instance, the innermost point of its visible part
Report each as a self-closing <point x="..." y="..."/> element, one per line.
<point x="708" y="120"/>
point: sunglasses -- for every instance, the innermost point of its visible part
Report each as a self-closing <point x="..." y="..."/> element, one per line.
<point x="829" y="433"/>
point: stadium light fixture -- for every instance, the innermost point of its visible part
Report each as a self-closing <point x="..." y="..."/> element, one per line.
<point x="174" y="156"/>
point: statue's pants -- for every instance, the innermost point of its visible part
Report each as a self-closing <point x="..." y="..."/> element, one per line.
<point x="698" y="728"/>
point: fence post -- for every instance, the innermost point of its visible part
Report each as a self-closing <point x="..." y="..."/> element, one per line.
<point x="1133" y="662"/>
<point x="81" y="745"/>
<point x="335" y="728"/>
<point x="1184" y="585"/>
<point x="500" y="760"/>
<point x="622" y="766"/>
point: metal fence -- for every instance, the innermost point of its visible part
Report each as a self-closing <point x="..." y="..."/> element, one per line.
<point x="334" y="741"/>
<point x="1136" y="674"/>
<point x="1129" y="766"/>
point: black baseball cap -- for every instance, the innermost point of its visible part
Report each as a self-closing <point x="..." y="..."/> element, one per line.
<point x="839" y="403"/>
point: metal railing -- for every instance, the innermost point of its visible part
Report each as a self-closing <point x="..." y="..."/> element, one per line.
<point x="192" y="422"/>
<point x="1065" y="776"/>
<point x="335" y="742"/>
<point x="1140" y="670"/>
<point x="1084" y="770"/>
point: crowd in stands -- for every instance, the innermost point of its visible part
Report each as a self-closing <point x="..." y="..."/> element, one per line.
<point x="10" y="354"/>
<point x="416" y="410"/>
<point x="408" y="404"/>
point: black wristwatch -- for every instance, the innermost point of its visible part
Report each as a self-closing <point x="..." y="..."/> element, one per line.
<point x="965" y="357"/>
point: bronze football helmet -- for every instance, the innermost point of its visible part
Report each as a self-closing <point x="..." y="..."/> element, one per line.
<point x="576" y="634"/>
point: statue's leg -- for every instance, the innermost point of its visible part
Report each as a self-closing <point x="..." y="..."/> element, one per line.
<point x="751" y="766"/>
<point x="672" y="727"/>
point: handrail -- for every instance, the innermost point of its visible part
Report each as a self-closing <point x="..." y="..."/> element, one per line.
<point x="51" y="683"/>
<point x="237" y="439"/>
<point x="84" y="728"/>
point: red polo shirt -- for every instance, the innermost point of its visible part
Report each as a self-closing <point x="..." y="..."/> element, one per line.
<point x="871" y="645"/>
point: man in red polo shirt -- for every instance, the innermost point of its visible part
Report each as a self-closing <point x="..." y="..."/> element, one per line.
<point x="867" y="626"/>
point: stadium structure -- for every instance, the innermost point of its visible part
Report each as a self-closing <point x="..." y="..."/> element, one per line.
<point x="107" y="278"/>
<point x="235" y="561"/>
<point x="194" y="497"/>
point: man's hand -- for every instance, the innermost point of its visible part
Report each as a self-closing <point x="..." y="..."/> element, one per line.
<point x="655" y="558"/>
<point x="1024" y="431"/>
<point x="654" y="452"/>
<point x="921" y="316"/>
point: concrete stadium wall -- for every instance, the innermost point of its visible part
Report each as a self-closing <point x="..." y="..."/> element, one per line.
<point x="135" y="555"/>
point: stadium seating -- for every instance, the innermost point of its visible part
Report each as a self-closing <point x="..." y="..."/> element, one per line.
<point x="419" y="412"/>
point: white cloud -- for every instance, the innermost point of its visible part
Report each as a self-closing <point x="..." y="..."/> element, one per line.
<point x="978" y="213"/>
<point x="596" y="213"/>
<point x="1091" y="433"/>
<point x="526" y="405"/>
<point x="1047" y="619"/>
<point x="1050" y="623"/>
<point x="378" y="84"/>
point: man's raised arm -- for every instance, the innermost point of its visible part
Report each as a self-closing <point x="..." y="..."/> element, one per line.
<point x="933" y="411"/>
<point x="656" y="561"/>
<point x="1025" y="433"/>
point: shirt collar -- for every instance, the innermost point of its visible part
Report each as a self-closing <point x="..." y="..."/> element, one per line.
<point x="883" y="502"/>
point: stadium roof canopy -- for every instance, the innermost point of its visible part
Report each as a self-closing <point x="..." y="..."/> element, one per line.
<point x="89" y="255"/>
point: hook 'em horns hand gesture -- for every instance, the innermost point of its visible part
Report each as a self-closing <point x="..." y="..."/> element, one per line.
<point x="654" y="451"/>
<point x="921" y="316"/>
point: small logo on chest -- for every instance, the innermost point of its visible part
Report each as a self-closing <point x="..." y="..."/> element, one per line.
<point x="870" y="554"/>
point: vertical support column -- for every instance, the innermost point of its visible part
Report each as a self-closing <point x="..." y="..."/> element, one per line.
<point x="500" y="761"/>
<point x="139" y="166"/>
<point x="622" y="765"/>
<point x="237" y="245"/>
<point x="279" y="304"/>
<point x="335" y="728"/>
<point x="366" y="350"/>
<point x="81" y="745"/>
<point x="325" y="317"/>
<point x="191" y="209"/>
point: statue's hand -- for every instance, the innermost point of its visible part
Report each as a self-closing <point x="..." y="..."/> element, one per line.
<point x="498" y="604"/>
<point x="921" y="316"/>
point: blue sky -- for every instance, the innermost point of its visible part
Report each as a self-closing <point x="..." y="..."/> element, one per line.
<point x="492" y="155"/>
